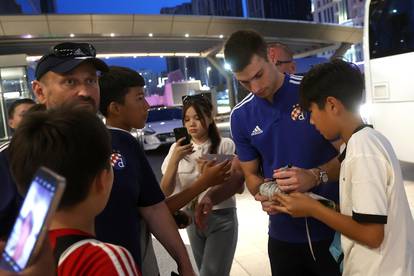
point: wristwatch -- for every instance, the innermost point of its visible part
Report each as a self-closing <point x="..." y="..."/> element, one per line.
<point x="323" y="176"/>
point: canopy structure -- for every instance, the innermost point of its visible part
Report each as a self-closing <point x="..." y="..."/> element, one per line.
<point x="168" y="35"/>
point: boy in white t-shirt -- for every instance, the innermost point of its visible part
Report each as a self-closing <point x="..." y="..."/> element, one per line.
<point x="375" y="220"/>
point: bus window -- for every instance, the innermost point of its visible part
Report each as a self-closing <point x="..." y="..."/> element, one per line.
<point x="391" y="27"/>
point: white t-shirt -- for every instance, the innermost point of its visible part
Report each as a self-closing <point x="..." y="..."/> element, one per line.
<point x="372" y="190"/>
<point x="187" y="171"/>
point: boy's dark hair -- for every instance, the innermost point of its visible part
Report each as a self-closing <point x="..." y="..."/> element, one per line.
<point x="337" y="78"/>
<point x="115" y="84"/>
<point x="71" y="141"/>
<point x="240" y="48"/>
<point x="16" y="103"/>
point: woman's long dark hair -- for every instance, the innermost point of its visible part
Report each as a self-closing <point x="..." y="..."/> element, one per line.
<point x="203" y="107"/>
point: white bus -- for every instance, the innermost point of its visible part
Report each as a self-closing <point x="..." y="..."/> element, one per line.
<point x="389" y="71"/>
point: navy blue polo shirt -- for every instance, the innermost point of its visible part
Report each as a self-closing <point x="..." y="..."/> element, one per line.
<point x="10" y="199"/>
<point x="135" y="185"/>
<point x="278" y="134"/>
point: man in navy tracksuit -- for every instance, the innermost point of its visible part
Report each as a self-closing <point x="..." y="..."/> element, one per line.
<point x="271" y="131"/>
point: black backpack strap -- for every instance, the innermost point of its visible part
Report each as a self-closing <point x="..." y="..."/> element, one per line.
<point x="64" y="242"/>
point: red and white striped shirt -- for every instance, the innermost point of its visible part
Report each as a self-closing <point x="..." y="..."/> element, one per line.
<point x="92" y="257"/>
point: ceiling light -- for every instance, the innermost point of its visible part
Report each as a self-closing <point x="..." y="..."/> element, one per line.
<point x="112" y="34"/>
<point x="186" y="35"/>
<point x="221" y="36"/>
<point x="150" y="34"/>
<point x="72" y="35"/>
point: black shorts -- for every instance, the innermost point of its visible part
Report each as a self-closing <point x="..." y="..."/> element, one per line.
<point x="295" y="259"/>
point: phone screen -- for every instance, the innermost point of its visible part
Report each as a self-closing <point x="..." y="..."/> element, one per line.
<point x="43" y="192"/>
<point x="218" y="157"/>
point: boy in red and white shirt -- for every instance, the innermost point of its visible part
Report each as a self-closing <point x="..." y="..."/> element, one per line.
<point x="73" y="142"/>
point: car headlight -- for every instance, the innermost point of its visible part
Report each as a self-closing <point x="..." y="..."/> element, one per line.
<point x="149" y="131"/>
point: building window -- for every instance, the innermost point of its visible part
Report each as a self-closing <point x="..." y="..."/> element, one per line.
<point x="391" y="28"/>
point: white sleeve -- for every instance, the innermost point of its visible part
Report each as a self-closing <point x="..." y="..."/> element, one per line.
<point x="227" y="146"/>
<point x="167" y="159"/>
<point x="369" y="179"/>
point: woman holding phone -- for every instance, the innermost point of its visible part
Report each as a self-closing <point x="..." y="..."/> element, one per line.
<point x="213" y="232"/>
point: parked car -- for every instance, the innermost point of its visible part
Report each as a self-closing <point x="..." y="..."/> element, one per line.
<point x="159" y="129"/>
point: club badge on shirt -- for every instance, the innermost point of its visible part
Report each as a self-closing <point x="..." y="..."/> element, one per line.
<point x="297" y="113"/>
<point x="117" y="160"/>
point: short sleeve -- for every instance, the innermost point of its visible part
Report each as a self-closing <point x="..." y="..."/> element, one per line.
<point x="227" y="146"/>
<point x="97" y="258"/>
<point x="244" y="150"/>
<point x="150" y="189"/>
<point x="368" y="177"/>
<point x="167" y="159"/>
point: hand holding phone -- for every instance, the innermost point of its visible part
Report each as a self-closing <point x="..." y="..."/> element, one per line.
<point x="181" y="132"/>
<point x="31" y="224"/>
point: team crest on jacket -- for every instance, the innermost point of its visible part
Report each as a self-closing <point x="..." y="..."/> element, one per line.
<point x="297" y="113"/>
<point x="117" y="160"/>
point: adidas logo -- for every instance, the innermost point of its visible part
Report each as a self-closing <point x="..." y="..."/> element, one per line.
<point x="256" y="131"/>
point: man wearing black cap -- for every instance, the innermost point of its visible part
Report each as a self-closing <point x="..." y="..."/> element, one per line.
<point x="67" y="73"/>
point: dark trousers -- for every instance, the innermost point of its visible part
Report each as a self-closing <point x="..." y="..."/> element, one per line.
<point x="295" y="259"/>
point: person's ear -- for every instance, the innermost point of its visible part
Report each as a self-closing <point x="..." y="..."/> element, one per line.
<point x="114" y="108"/>
<point x="100" y="183"/>
<point x="11" y="123"/>
<point x="333" y="105"/>
<point x="39" y="91"/>
<point x="271" y="55"/>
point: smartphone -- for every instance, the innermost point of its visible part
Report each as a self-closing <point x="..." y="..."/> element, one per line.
<point x="31" y="224"/>
<point x="180" y="132"/>
<point x="217" y="157"/>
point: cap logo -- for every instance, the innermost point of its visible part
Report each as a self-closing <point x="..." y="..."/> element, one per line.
<point x="79" y="52"/>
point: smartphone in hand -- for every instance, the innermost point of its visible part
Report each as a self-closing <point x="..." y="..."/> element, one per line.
<point x="181" y="132"/>
<point x="30" y="227"/>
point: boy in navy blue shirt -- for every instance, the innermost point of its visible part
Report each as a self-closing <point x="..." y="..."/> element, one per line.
<point x="270" y="131"/>
<point x="135" y="192"/>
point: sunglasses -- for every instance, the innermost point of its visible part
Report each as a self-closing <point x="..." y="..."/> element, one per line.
<point x="280" y="62"/>
<point x="74" y="50"/>
<point x="202" y="97"/>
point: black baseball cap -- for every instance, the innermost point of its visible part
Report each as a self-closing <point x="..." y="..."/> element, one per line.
<point x="66" y="56"/>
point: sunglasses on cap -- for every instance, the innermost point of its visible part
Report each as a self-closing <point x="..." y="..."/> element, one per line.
<point x="206" y="97"/>
<point x="70" y="49"/>
<point x="280" y="62"/>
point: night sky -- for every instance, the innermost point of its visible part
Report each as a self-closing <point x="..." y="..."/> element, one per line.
<point x="115" y="6"/>
<point x="122" y="7"/>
